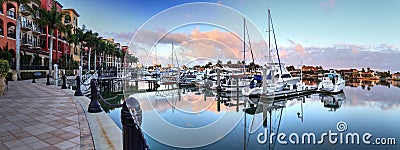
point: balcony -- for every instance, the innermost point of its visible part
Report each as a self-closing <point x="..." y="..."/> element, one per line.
<point x="26" y="42"/>
<point x="36" y="30"/>
<point x="25" y="11"/>
<point x="11" y="14"/>
<point x="36" y="45"/>
<point x="26" y="26"/>
<point x="43" y="33"/>
<point x="36" y="16"/>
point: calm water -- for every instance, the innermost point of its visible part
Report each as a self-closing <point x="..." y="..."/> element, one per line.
<point x="185" y="117"/>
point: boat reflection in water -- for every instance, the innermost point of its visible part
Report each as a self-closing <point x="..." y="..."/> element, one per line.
<point x="332" y="101"/>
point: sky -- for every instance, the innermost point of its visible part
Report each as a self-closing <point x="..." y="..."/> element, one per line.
<point x="330" y="33"/>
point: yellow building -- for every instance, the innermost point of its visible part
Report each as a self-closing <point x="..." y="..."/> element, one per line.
<point x="72" y="20"/>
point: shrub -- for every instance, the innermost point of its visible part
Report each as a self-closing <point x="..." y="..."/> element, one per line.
<point x="4" y="67"/>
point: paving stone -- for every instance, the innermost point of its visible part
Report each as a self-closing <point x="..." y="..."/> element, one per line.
<point x="49" y="120"/>
<point x="65" y="145"/>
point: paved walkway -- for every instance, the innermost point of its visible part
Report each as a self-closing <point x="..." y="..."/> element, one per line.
<point x="36" y="116"/>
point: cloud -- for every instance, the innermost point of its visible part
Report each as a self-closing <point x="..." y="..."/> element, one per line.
<point x="214" y="44"/>
<point x="378" y="57"/>
<point x="283" y="53"/>
<point x="224" y="45"/>
<point x="327" y="5"/>
<point x="121" y="37"/>
<point x="354" y="50"/>
<point x="300" y="50"/>
<point x="291" y="42"/>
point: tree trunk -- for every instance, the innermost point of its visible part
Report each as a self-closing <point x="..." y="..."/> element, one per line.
<point x="90" y="51"/>
<point x="18" y="44"/>
<point x="51" y="51"/>
<point x="95" y="60"/>
<point x="81" y="53"/>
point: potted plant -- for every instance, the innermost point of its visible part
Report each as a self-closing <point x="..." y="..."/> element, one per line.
<point x="4" y="68"/>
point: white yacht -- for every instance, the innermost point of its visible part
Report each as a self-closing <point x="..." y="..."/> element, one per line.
<point x="279" y="80"/>
<point x="332" y="82"/>
<point x="276" y="77"/>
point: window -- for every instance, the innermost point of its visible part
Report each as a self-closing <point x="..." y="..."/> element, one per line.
<point x="10" y="10"/>
<point x="24" y="22"/>
<point x="11" y="30"/>
<point x="1" y="28"/>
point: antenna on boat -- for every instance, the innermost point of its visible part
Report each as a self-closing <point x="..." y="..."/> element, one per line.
<point x="269" y="37"/>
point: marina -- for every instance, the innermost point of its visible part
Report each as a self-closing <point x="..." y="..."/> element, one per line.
<point x="201" y="75"/>
<point x="192" y="108"/>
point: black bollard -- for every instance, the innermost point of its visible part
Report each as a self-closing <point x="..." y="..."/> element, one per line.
<point x="64" y="85"/>
<point x="132" y="136"/>
<point x="94" y="106"/>
<point x="33" y="79"/>
<point x="78" y="91"/>
<point x="48" y="79"/>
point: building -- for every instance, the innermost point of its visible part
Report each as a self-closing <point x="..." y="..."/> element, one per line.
<point x="73" y="21"/>
<point x="8" y="26"/>
<point x="60" y="45"/>
<point x="309" y="69"/>
<point x="348" y="73"/>
<point x="125" y="49"/>
<point x="31" y="40"/>
<point x="396" y="76"/>
<point x="34" y="38"/>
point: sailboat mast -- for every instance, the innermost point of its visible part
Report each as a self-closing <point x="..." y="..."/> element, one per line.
<point x="269" y="37"/>
<point x="172" y="56"/>
<point x="156" y="55"/>
<point x="244" y="45"/>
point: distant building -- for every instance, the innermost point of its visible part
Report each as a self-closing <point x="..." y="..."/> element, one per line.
<point x="349" y="73"/>
<point x="396" y="76"/>
<point x="309" y="69"/>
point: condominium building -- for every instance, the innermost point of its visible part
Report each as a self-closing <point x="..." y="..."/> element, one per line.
<point x="73" y="21"/>
<point x="60" y="45"/>
<point x="8" y="26"/>
<point x="34" y="38"/>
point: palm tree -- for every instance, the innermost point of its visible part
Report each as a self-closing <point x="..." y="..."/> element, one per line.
<point x="91" y="38"/>
<point x="53" y="20"/>
<point x="18" y="30"/>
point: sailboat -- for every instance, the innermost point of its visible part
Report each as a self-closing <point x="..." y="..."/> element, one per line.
<point x="276" y="77"/>
<point x="236" y="81"/>
<point x="171" y="76"/>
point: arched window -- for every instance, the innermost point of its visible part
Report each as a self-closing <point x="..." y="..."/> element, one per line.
<point x="11" y="10"/>
<point x="1" y="10"/>
<point x="1" y="28"/>
<point x="11" y="30"/>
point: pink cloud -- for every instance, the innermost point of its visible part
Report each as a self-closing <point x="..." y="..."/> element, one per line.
<point x="300" y="50"/>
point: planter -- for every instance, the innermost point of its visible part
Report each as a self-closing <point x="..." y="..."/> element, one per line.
<point x="14" y="75"/>
<point x="2" y="85"/>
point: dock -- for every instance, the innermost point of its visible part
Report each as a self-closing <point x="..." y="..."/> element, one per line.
<point x="289" y="93"/>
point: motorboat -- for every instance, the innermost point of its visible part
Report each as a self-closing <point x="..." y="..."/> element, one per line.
<point x="332" y="82"/>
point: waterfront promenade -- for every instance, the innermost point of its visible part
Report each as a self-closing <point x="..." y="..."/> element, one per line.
<point x="38" y="116"/>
